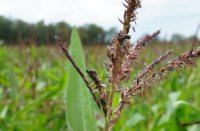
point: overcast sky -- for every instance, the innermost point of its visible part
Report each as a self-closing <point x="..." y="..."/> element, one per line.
<point x="171" y="16"/>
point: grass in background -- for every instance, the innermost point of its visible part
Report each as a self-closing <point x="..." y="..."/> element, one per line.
<point x="32" y="82"/>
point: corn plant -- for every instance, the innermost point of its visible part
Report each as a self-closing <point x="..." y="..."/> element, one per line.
<point x="122" y="54"/>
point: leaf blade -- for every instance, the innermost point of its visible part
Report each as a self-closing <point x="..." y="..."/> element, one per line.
<point x="79" y="106"/>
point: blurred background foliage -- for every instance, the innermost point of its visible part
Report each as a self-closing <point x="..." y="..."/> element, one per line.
<point x="33" y="78"/>
<point x="33" y="81"/>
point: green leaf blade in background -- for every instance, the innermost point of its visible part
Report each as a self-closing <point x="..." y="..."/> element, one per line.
<point x="135" y="119"/>
<point x="79" y="104"/>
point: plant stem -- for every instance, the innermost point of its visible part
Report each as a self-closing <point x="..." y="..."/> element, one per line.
<point x="189" y="124"/>
<point x="110" y="111"/>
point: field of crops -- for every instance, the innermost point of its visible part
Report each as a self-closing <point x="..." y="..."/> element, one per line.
<point x="33" y="82"/>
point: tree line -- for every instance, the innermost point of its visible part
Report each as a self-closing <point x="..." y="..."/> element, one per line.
<point x="18" y="31"/>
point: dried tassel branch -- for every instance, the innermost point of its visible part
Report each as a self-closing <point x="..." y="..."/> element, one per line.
<point x="102" y="93"/>
<point x="149" y="67"/>
<point x="185" y="59"/>
<point x="116" y="53"/>
<point x="130" y="13"/>
<point x="133" y="90"/>
<point x="133" y="54"/>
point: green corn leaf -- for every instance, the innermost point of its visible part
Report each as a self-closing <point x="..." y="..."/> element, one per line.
<point x="135" y="119"/>
<point x="186" y="112"/>
<point x="79" y="104"/>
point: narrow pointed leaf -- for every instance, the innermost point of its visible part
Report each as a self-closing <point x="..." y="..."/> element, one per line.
<point x="79" y="103"/>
